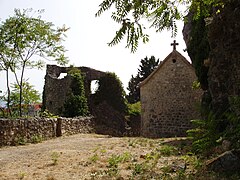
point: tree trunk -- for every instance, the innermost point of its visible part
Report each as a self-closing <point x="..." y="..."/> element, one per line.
<point x="8" y="94"/>
<point x="21" y="89"/>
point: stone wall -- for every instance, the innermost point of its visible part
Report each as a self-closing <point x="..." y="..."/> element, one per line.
<point x="168" y="100"/>
<point x="76" y="125"/>
<point x="57" y="90"/>
<point x="14" y="131"/>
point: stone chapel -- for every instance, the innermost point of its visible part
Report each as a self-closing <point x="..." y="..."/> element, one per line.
<point x="169" y="102"/>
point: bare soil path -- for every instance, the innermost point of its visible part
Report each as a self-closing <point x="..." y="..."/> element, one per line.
<point x="35" y="161"/>
<point x="89" y="156"/>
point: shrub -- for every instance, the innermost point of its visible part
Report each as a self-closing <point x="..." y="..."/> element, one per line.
<point x="76" y="104"/>
<point x="110" y="89"/>
<point x="47" y="114"/>
<point x="134" y="109"/>
<point x="203" y="135"/>
<point x="212" y="130"/>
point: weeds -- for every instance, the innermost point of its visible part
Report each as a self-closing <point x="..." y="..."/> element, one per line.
<point x="20" y="140"/>
<point x="103" y="151"/>
<point x="55" y="156"/>
<point x="150" y="159"/>
<point x="21" y="175"/>
<point x="126" y="157"/>
<point x="192" y="160"/>
<point x="139" y="169"/>
<point x="140" y="142"/>
<point x="167" y="150"/>
<point x="131" y="143"/>
<point x="114" y="160"/>
<point x="36" y="139"/>
<point x="94" y="158"/>
<point x="112" y="171"/>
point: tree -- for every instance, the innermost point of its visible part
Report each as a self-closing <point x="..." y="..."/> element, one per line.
<point x="23" y="38"/>
<point x="147" y="66"/>
<point x="29" y="95"/>
<point x="162" y="14"/>
<point x="7" y="59"/>
<point x="133" y="88"/>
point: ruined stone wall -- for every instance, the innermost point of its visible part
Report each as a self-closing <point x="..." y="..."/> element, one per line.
<point x="14" y="131"/>
<point x="168" y="100"/>
<point x="57" y="90"/>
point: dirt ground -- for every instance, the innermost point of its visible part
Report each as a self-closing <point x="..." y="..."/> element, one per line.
<point x="88" y="156"/>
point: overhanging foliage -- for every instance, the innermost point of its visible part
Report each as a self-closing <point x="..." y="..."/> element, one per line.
<point x="162" y="14"/>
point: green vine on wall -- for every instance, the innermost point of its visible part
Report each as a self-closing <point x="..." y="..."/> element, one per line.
<point x="110" y="90"/>
<point x="76" y="104"/>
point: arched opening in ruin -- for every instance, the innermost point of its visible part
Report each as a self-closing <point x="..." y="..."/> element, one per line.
<point x="94" y="86"/>
<point x="62" y="75"/>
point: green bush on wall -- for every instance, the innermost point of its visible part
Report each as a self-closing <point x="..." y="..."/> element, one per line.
<point x="110" y="90"/>
<point x="76" y="104"/>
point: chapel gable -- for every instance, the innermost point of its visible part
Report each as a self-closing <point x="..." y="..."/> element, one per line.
<point x="169" y="102"/>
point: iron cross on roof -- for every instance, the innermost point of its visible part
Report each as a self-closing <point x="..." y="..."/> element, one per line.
<point x="174" y="44"/>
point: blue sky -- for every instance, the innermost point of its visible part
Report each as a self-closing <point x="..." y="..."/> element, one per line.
<point x="88" y="36"/>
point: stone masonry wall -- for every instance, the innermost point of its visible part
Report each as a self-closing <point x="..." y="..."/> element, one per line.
<point x="13" y="131"/>
<point x="168" y="100"/>
<point x="56" y="91"/>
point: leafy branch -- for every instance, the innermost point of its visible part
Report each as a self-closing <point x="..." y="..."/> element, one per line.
<point x="161" y="14"/>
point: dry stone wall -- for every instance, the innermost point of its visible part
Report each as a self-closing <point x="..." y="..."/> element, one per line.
<point x="76" y="125"/>
<point x="12" y="131"/>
